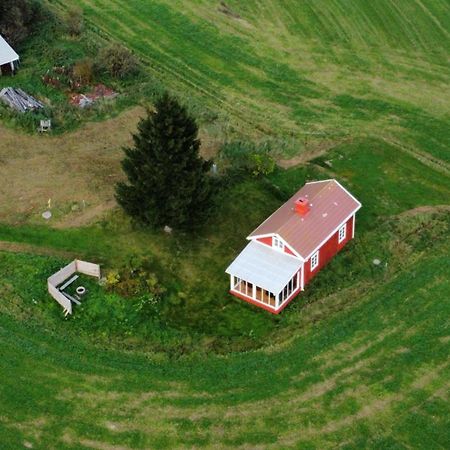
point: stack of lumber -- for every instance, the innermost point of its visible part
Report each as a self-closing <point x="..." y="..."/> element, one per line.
<point x="19" y="100"/>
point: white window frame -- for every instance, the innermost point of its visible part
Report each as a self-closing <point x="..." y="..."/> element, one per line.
<point x="277" y="243"/>
<point x="314" y="260"/>
<point x="342" y="233"/>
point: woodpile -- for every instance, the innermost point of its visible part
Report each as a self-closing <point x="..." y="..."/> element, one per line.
<point x="19" y="100"/>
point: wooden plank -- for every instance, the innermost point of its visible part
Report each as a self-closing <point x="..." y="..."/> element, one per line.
<point x="69" y="282"/>
<point x="71" y="298"/>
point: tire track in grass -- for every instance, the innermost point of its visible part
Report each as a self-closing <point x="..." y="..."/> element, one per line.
<point x="433" y="18"/>
<point x="174" y="67"/>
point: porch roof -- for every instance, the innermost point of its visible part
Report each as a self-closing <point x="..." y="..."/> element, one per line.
<point x="265" y="267"/>
<point x="7" y="54"/>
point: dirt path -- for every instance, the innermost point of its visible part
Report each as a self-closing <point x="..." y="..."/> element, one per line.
<point x="17" y="247"/>
<point x="424" y="210"/>
<point x="314" y="150"/>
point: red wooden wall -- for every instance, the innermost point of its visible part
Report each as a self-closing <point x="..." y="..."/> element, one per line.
<point x="328" y="250"/>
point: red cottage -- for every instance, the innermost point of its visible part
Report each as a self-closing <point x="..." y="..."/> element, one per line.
<point x="288" y="249"/>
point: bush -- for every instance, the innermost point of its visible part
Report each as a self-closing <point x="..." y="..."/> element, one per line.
<point x="248" y="157"/>
<point x="136" y="279"/>
<point x="17" y="19"/>
<point x="74" y="21"/>
<point x="83" y="71"/>
<point x="117" y="61"/>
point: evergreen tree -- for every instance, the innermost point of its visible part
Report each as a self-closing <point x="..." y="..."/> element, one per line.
<point x="168" y="182"/>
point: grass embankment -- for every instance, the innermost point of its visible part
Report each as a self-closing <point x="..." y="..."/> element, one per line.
<point x="373" y="375"/>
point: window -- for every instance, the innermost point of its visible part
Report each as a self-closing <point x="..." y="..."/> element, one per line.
<point x="342" y="233"/>
<point x="315" y="260"/>
<point x="277" y="243"/>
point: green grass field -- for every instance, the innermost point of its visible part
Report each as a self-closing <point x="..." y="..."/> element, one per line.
<point x="360" y="359"/>
<point x="286" y="69"/>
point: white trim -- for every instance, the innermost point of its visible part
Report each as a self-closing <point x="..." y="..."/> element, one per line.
<point x="331" y="234"/>
<point x="302" y="279"/>
<point x="353" y="226"/>
<point x="348" y="193"/>
<point x="316" y="254"/>
<point x="342" y="233"/>
<point x="320" y="181"/>
<point x="296" y="255"/>
<point x="260" y="236"/>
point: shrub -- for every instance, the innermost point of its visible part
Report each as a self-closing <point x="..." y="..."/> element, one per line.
<point x="117" y="61"/>
<point x="74" y="21"/>
<point x="17" y="19"/>
<point x="136" y="279"/>
<point x="248" y="157"/>
<point x="83" y="71"/>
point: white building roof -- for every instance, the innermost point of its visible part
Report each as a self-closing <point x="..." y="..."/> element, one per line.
<point x="7" y="54"/>
<point x="264" y="266"/>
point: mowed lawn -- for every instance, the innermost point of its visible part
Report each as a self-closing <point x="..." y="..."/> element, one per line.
<point x="283" y="70"/>
<point x="373" y="375"/>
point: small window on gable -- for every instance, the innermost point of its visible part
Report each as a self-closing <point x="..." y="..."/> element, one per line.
<point x="314" y="260"/>
<point x="277" y="243"/>
<point x="342" y="233"/>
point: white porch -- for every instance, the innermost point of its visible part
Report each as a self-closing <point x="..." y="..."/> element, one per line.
<point x="265" y="275"/>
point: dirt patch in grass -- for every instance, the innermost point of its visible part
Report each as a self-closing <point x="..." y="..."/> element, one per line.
<point x="427" y="209"/>
<point x="314" y="150"/>
<point x="63" y="168"/>
<point x="16" y="247"/>
<point x="76" y="171"/>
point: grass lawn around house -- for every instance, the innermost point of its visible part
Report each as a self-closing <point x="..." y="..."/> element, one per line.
<point x="191" y="268"/>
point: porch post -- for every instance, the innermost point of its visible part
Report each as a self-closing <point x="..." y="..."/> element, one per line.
<point x="231" y="281"/>
<point x="353" y="226"/>
<point x="277" y="301"/>
<point x="254" y="291"/>
<point x="302" y="280"/>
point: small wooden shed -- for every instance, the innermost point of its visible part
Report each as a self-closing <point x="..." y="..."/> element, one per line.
<point x="9" y="59"/>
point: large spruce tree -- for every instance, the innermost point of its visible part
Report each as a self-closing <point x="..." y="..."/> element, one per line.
<point x="168" y="181"/>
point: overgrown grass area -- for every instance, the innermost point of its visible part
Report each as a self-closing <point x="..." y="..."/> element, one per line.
<point x="52" y="46"/>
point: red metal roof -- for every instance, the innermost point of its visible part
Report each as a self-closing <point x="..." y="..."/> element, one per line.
<point x="330" y="205"/>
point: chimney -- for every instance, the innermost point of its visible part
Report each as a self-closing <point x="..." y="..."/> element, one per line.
<point x="301" y="206"/>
